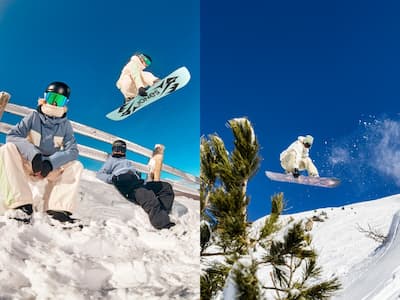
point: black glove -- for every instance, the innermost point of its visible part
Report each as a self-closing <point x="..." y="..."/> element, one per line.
<point x="142" y="91"/>
<point x="37" y="163"/>
<point x="114" y="179"/>
<point x="46" y="168"/>
<point x="296" y="173"/>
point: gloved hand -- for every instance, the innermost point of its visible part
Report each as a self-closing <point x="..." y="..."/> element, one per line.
<point x="296" y="173"/>
<point x="142" y="91"/>
<point x="46" y="168"/>
<point x="114" y="179"/>
<point x="37" y="163"/>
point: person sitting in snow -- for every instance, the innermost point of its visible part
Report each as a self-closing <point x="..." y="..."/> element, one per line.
<point x="42" y="147"/>
<point x="155" y="197"/>
<point x="133" y="79"/>
<point x="296" y="157"/>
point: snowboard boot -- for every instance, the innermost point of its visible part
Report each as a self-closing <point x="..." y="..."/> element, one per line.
<point x="21" y="213"/>
<point x="296" y="173"/>
<point x="169" y="225"/>
<point x="61" y="216"/>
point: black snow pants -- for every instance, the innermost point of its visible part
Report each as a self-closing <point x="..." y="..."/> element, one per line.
<point x="155" y="197"/>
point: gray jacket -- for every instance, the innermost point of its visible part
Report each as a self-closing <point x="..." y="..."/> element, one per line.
<point x="52" y="137"/>
<point x="115" y="166"/>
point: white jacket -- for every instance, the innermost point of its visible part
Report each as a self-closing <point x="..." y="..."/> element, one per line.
<point x="298" y="147"/>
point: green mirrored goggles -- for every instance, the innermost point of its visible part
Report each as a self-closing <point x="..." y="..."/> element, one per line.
<point x="145" y="59"/>
<point x="55" y="99"/>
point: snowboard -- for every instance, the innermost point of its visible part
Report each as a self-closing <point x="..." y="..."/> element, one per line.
<point x="327" y="182"/>
<point x="173" y="82"/>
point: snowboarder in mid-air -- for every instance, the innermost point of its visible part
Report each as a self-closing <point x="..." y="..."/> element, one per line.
<point x="296" y="157"/>
<point x="134" y="80"/>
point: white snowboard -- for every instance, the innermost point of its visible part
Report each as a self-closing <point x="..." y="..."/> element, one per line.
<point x="173" y="82"/>
<point x="327" y="182"/>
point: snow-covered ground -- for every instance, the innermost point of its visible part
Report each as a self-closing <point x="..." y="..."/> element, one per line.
<point x="119" y="255"/>
<point x="366" y="269"/>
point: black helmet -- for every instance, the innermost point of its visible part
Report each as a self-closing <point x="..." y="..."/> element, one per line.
<point x="59" y="88"/>
<point x="119" y="147"/>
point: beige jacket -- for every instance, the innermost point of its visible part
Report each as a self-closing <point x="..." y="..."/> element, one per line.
<point x="133" y="77"/>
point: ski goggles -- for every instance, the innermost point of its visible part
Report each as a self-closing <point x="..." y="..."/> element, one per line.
<point x="55" y="99"/>
<point x="145" y="59"/>
<point x="118" y="148"/>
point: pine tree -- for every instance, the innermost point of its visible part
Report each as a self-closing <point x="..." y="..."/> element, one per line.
<point x="224" y="178"/>
<point x="294" y="267"/>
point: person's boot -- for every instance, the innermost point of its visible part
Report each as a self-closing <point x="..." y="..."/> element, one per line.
<point x="21" y="213"/>
<point x="61" y="216"/>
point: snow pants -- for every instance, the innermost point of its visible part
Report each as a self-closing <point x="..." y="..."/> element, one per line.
<point x="16" y="175"/>
<point x="289" y="163"/>
<point x="155" y="197"/>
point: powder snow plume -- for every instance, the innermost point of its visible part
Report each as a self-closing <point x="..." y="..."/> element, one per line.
<point x="369" y="156"/>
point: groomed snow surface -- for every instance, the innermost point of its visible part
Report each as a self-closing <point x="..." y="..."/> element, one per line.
<point x="118" y="255"/>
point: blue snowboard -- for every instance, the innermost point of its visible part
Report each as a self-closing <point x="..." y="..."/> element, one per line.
<point x="173" y="82"/>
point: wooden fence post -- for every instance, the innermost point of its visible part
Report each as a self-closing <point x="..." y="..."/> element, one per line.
<point x="4" y="97"/>
<point x="155" y="163"/>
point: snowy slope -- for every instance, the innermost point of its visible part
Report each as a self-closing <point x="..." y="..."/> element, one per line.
<point x="118" y="256"/>
<point x="366" y="269"/>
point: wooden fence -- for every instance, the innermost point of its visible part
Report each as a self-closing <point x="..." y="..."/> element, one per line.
<point x="187" y="186"/>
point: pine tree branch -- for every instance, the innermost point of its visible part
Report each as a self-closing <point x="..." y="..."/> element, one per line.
<point x="273" y="279"/>
<point x="291" y="271"/>
<point x="273" y="288"/>
<point x="217" y="253"/>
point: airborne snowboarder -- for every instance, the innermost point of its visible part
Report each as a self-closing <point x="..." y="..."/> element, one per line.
<point x="133" y="79"/>
<point x="296" y="157"/>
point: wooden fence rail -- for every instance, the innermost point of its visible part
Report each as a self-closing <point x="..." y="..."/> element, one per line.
<point x="187" y="187"/>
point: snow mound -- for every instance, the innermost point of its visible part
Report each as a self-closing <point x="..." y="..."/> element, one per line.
<point x="118" y="255"/>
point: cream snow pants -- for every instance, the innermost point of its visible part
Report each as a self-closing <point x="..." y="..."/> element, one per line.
<point x="288" y="163"/>
<point x="129" y="85"/>
<point x="60" y="192"/>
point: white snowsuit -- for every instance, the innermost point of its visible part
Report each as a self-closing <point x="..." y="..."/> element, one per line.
<point x="296" y="156"/>
<point x="53" y="138"/>
<point x="133" y="77"/>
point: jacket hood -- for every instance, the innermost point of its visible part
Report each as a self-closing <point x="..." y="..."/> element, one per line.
<point x="137" y="60"/>
<point x="45" y="119"/>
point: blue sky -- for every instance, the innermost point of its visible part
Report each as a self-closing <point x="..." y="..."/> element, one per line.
<point x="329" y="69"/>
<point x="86" y="44"/>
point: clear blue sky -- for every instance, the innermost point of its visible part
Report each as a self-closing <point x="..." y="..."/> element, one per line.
<point x="326" y="68"/>
<point x="86" y="44"/>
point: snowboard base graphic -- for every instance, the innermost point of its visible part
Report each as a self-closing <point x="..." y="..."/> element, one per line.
<point x="173" y="82"/>
<point x="327" y="182"/>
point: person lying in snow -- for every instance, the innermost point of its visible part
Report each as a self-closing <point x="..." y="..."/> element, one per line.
<point x="155" y="197"/>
